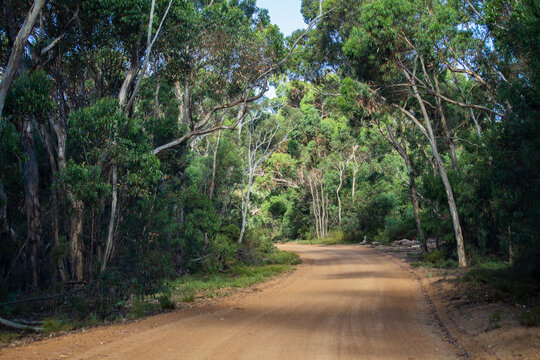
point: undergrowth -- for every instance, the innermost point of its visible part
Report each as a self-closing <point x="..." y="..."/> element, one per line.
<point x="190" y="287"/>
<point x="435" y="259"/>
<point x="334" y="237"/>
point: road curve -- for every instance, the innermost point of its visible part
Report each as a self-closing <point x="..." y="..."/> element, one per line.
<point x="343" y="302"/>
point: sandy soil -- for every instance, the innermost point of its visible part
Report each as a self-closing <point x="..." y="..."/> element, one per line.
<point x="343" y="302"/>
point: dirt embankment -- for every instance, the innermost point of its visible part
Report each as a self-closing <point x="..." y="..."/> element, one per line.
<point x="487" y="329"/>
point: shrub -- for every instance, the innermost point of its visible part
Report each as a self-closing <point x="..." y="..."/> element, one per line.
<point x="166" y="302"/>
<point x="531" y="317"/>
<point x="57" y="324"/>
<point x="282" y="258"/>
<point x="140" y="308"/>
<point x="434" y="257"/>
<point x="187" y="293"/>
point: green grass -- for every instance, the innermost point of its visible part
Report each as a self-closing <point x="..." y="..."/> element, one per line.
<point x="334" y="237"/>
<point x="9" y="336"/>
<point x="166" y="302"/>
<point x="57" y="324"/>
<point x="435" y="259"/>
<point x="325" y="241"/>
<point x="189" y="287"/>
<point x="140" y="308"/>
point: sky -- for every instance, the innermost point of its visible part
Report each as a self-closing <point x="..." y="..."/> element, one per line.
<point x="285" y="14"/>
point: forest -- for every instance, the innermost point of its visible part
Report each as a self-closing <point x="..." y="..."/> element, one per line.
<point x="139" y="142"/>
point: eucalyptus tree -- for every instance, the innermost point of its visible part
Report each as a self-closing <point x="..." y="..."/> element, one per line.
<point x="394" y="47"/>
<point x="221" y="62"/>
<point x="263" y="138"/>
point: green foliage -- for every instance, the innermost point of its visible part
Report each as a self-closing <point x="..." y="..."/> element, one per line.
<point x="187" y="288"/>
<point x="57" y="324"/>
<point x="334" y="237"/>
<point x="84" y="182"/>
<point x="504" y="280"/>
<point x="28" y="96"/>
<point x="140" y="308"/>
<point x="530" y="317"/>
<point x="187" y="293"/>
<point x="61" y="249"/>
<point x="166" y="302"/>
<point x="7" y="337"/>
<point x="277" y="207"/>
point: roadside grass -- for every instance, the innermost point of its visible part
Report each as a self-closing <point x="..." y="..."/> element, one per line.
<point x="7" y="337"/>
<point x="435" y="259"/>
<point x="58" y="324"/>
<point x="503" y="280"/>
<point x="508" y="285"/>
<point x="190" y="287"/>
<point x="334" y="237"/>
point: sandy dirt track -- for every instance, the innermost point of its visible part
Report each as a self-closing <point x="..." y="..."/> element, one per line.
<point x="343" y="302"/>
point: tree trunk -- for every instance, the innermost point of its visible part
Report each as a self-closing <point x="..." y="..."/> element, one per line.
<point x="314" y="205"/>
<point x="75" y="233"/>
<point x="245" y="205"/>
<point x="214" y="165"/>
<point x="455" y="216"/>
<point x="338" y="197"/>
<point x="130" y="77"/>
<point x="416" y="210"/>
<point x="449" y="138"/>
<point x="428" y="132"/>
<point x="56" y="238"/>
<point x="186" y="115"/>
<point x="31" y="199"/>
<point x="110" y="233"/>
<point x="4" y="227"/>
<point x="17" y="50"/>
<point x="402" y="149"/>
<point x="355" y="171"/>
<point x="325" y="211"/>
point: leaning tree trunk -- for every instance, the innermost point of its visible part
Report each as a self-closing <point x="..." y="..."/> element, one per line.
<point x="110" y="233"/>
<point x="31" y="198"/>
<point x="449" y="194"/>
<point x="17" y="50"/>
<point x="454" y="213"/>
<point x="402" y="149"/>
<point x="416" y="210"/>
<point x="430" y="135"/>
<point x="446" y="129"/>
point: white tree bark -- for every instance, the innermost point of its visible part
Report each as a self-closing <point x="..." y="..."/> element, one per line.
<point x="258" y="150"/>
<point x="430" y="135"/>
<point x="110" y="233"/>
<point x="17" y="50"/>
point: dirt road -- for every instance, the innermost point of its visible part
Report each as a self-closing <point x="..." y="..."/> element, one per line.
<point x="343" y="302"/>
